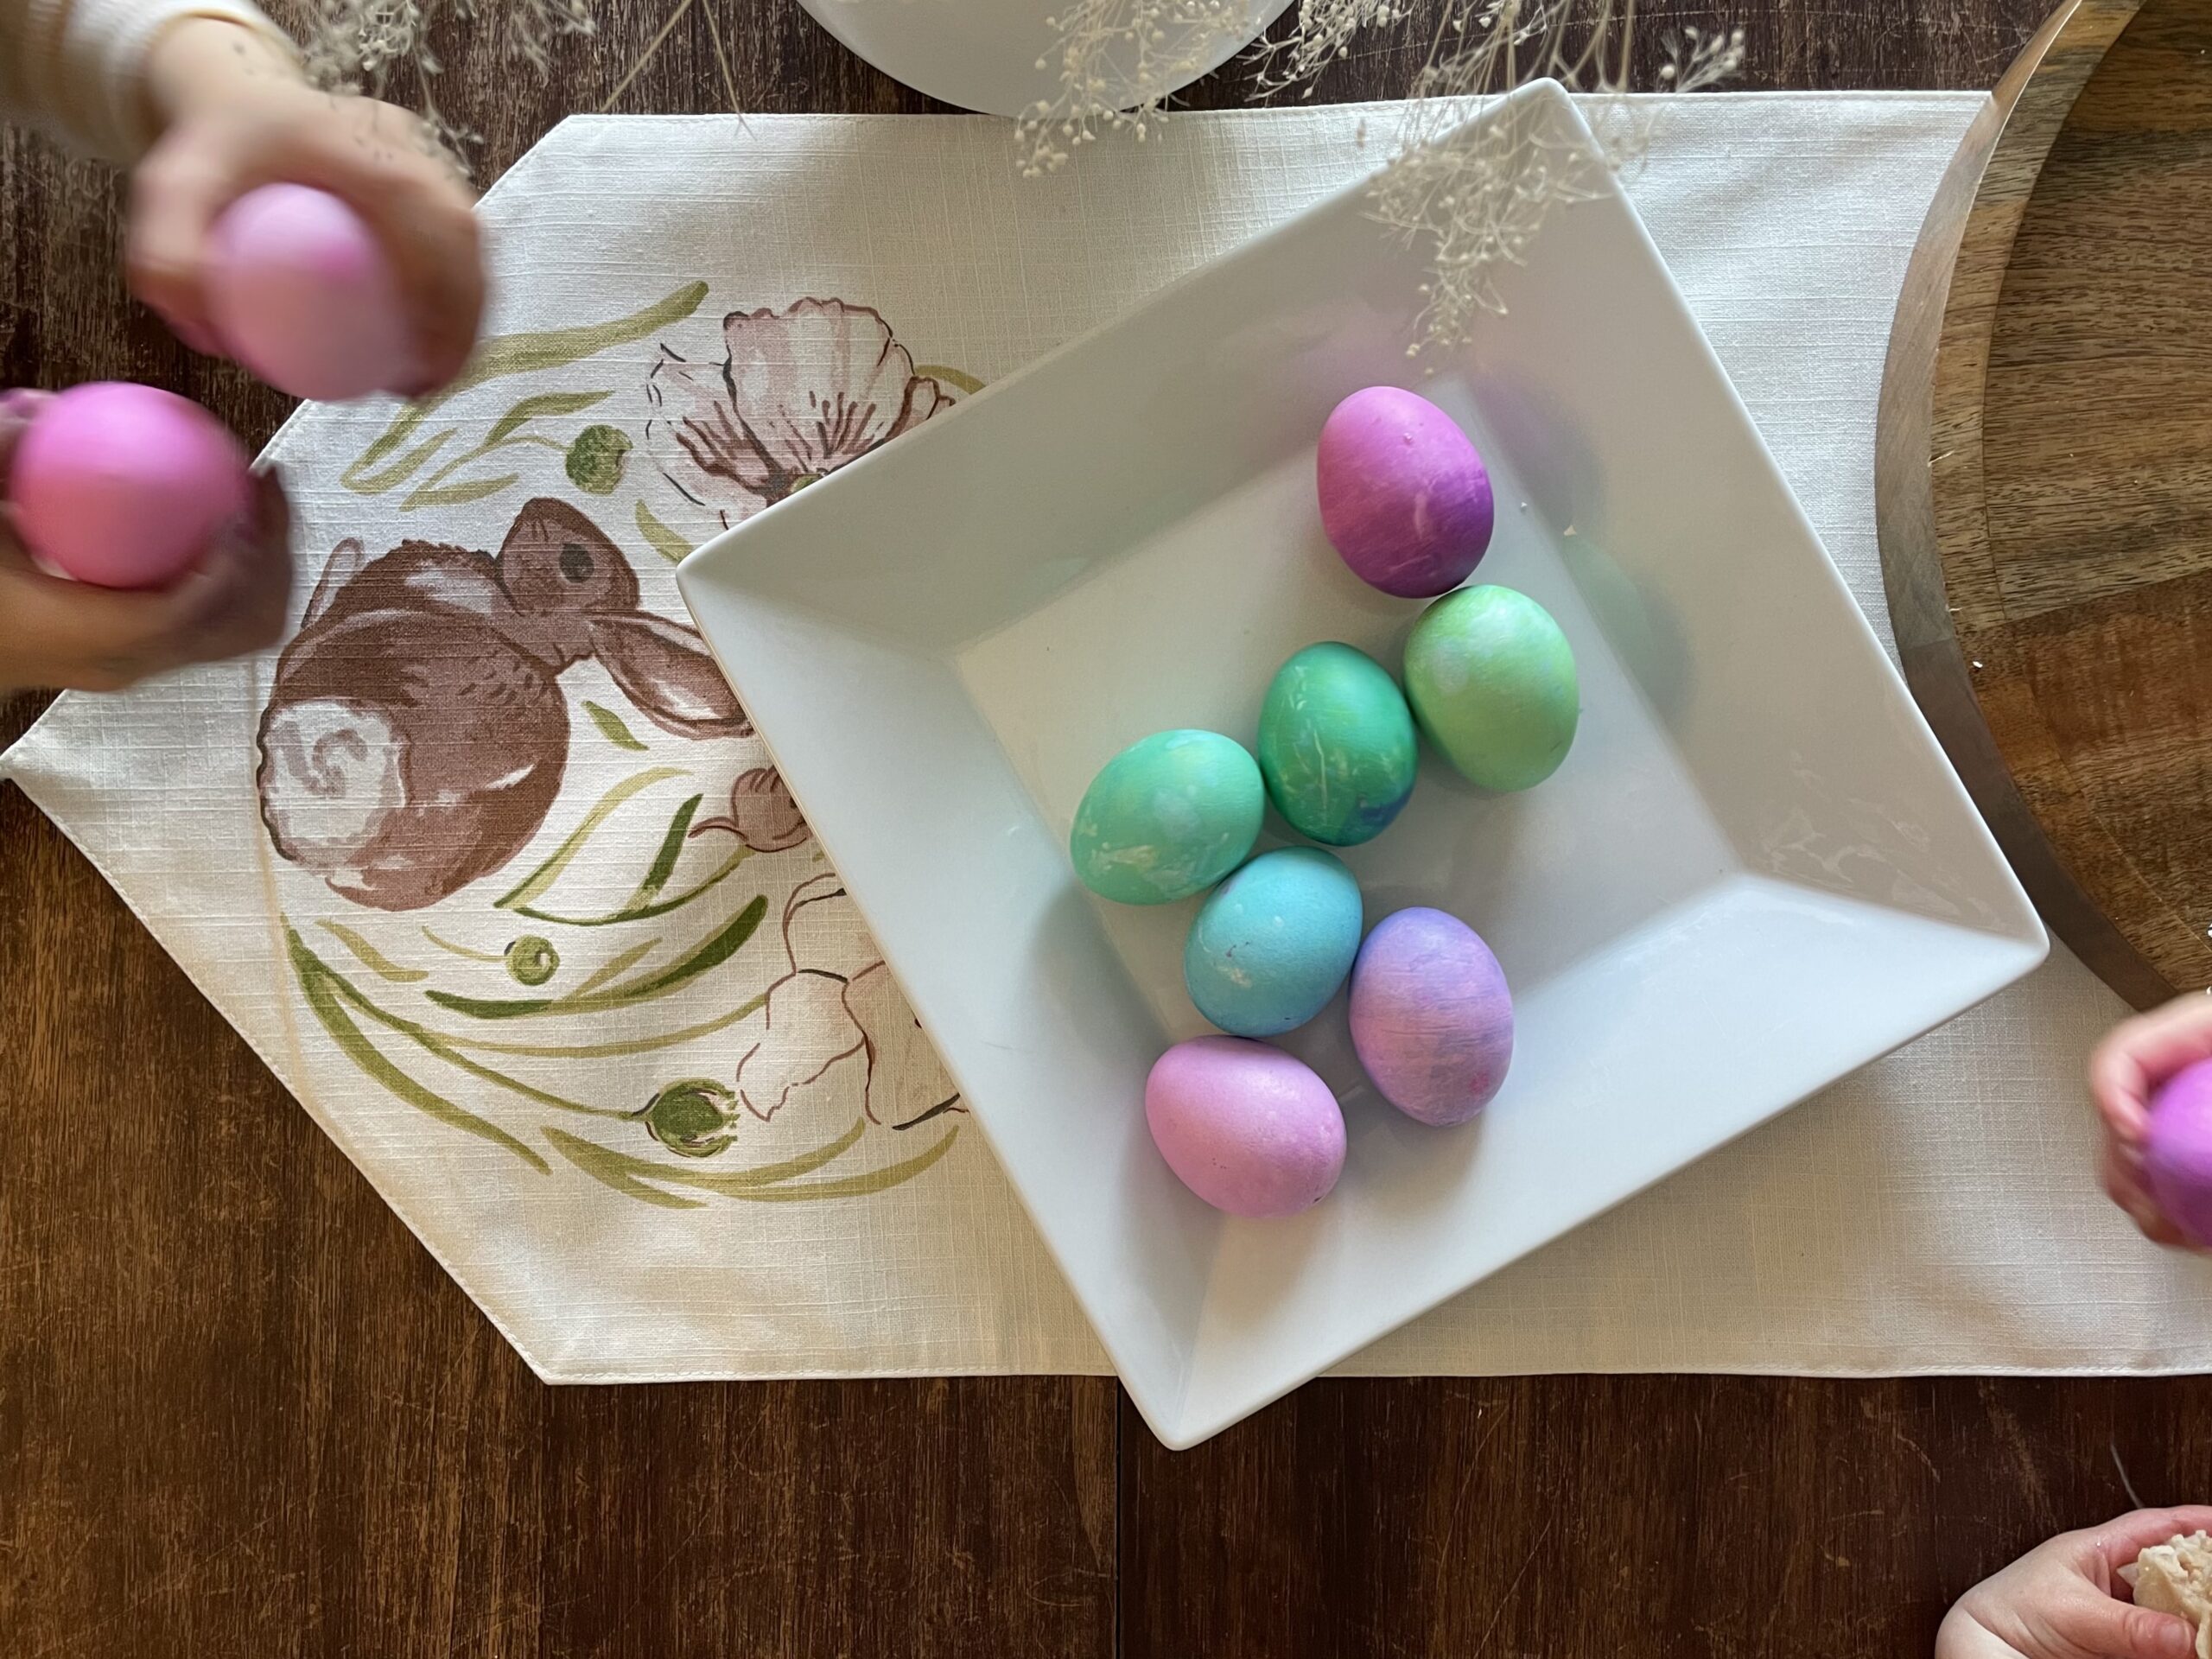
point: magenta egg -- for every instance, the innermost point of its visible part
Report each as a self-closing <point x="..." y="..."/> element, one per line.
<point x="303" y="295"/>
<point x="2177" y="1153"/>
<point x="123" y="485"/>
<point x="1432" y="1020"/>
<point x="1405" y="499"/>
<point x="1247" y="1128"/>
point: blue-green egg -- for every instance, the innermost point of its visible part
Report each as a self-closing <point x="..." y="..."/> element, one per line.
<point x="1274" y="943"/>
<point x="1168" y="817"/>
<point x="1337" y="745"/>
<point x="1491" y="680"/>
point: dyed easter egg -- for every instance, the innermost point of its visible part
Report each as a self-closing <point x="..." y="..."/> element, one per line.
<point x="1247" y="1128"/>
<point x="2178" y="1153"/>
<point x="1492" y="681"/>
<point x="303" y="295"/>
<point x="1271" y="944"/>
<point x="123" y="485"/>
<point x="1337" y="745"/>
<point x="1168" y="817"/>
<point x="1432" y="1020"/>
<point x="1405" y="499"/>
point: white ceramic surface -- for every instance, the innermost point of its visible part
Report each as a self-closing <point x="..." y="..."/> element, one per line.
<point x="1755" y="872"/>
<point x="985" y="55"/>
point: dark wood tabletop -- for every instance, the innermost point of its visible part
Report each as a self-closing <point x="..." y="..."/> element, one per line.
<point x="242" y="1412"/>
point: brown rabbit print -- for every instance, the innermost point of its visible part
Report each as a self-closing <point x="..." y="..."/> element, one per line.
<point x="416" y="733"/>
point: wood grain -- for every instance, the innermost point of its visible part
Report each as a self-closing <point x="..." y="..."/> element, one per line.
<point x="242" y="1412"/>
<point x="1750" y="1518"/>
<point x="2043" y="525"/>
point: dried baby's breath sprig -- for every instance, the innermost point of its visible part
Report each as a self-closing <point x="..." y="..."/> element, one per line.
<point x="356" y="46"/>
<point x="1321" y="32"/>
<point x="1118" y="60"/>
<point x="1479" y="194"/>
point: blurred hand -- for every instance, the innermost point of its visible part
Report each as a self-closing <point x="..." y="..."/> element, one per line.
<point x="235" y="114"/>
<point x="58" y="632"/>
<point x="2126" y="1069"/>
<point x="2063" y="1599"/>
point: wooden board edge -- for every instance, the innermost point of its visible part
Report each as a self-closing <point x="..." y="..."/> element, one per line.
<point x="1931" y="394"/>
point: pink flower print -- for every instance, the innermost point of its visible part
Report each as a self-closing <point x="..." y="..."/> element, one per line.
<point x="798" y="393"/>
<point x="806" y="1033"/>
<point x="818" y="1018"/>
<point x="762" y="814"/>
<point x="906" y="1082"/>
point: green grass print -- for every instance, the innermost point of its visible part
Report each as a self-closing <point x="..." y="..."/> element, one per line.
<point x="716" y="951"/>
<point x="324" y="990"/>
<point x="334" y="1000"/>
<point x="666" y="542"/>
<point x="644" y="902"/>
<point x="540" y="879"/>
<point x="767" y="1184"/>
<point x="612" y="728"/>
<point x="371" y="958"/>
<point x="962" y="382"/>
<point x="387" y="462"/>
<point x="614" y="968"/>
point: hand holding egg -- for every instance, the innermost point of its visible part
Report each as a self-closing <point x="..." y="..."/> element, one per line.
<point x="305" y="298"/>
<point x="229" y="598"/>
<point x="123" y="485"/>
<point x="2149" y="1082"/>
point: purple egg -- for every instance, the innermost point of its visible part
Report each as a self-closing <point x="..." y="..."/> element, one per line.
<point x="2178" y="1154"/>
<point x="1405" y="498"/>
<point x="1432" y="1019"/>
<point x="1247" y="1128"/>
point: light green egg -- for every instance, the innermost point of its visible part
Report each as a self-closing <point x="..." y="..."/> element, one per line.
<point x="1337" y="745"/>
<point x="1491" y="680"/>
<point x="1168" y="817"/>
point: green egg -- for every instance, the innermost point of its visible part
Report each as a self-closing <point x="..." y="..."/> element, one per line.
<point x="1337" y="745"/>
<point x="1492" y="681"/>
<point x="1168" y="817"/>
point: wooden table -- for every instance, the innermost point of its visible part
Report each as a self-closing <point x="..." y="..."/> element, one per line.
<point x="243" y="1413"/>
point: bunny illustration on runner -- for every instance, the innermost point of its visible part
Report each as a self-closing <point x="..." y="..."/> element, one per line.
<point x="417" y="733"/>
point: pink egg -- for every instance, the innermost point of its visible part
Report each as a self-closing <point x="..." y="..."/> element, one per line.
<point x="123" y="485"/>
<point x="1405" y="498"/>
<point x="1245" y="1127"/>
<point x="1432" y="1020"/>
<point x="2177" y="1155"/>
<point x="304" y="297"/>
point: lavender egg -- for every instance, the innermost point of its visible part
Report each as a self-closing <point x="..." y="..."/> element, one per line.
<point x="1405" y="499"/>
<point x="2178" y="1154"/>
<point x="1247" y="1128"/>
<point x="1432" y="1020"/>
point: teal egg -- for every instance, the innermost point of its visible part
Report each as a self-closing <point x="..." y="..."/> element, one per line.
<point x="1168" y="817"/>
<point x="1491" y="680"/>
<point x="1274" y="943"/>
<point x="1337" y="745"/>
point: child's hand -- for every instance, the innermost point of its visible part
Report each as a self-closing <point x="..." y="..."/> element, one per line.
<point x="235" y="115"/>
<point x="58" y="632"/>
<point x="2126" y="1069"/>
<point x="2062" y="1600"/>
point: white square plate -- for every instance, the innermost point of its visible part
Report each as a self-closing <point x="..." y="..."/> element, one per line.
<point x="1755" y="872"/>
